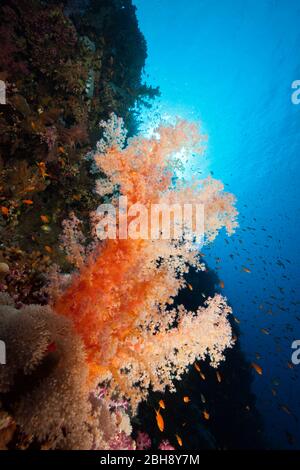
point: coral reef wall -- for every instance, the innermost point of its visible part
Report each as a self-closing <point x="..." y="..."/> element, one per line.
<point x="66" y="66"/>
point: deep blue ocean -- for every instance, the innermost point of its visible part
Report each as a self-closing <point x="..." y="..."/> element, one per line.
<point x="230" y="65"/>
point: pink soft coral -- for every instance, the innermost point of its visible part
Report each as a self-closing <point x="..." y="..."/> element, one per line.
<point x="165" y="445"/>
<point x="143" y="441"/>
<point x="121" y="442"/>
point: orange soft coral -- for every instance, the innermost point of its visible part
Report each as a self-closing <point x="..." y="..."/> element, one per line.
<point x="118" y="300"/>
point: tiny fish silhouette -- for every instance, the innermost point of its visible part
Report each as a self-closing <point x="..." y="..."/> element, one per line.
<point x="219" y="378"/>
<point x="257" y="368"/>
<point x="246" y="270"/>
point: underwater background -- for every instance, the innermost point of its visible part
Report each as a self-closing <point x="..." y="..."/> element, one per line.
<point x="79" y="309"/>
<point x="231" y="64"/>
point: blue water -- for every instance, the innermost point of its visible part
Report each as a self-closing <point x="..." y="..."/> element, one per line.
<point x="230" y="64"/>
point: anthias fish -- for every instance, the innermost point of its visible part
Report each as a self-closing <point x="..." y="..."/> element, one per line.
<point x="219" y="377"/>
<point x="246" y="270"/>
<point x="160" y="421"/>
<point x="257" y="368"/>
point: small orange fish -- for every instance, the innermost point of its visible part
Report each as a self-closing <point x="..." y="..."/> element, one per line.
<point x="246" y="270"/>
<point x="4" y="211"/>
<point x="257" y="368"/>
<point x="44" y="219"/>
<point x="190" y="286"/>
<point x="286" y="409"/>
<point x="160" y="421"/>
<point x="42" y="169"/>
<point x="61" y="149"/>
<point x="186" y="399"/>
<point x="205" y="414"/>
<point x="219" y="378"/>
<point x="264" y="331"/>
<point x="290" y="365"/>
<point x="179" y="440"/>
<point x="162" y="404"/>
<point x="48" y="249"/>
<point x="202" y="376"/>
<point x="197" y="367"/>
<point x="28" y="202"/>
<point x="236" y="320"/>
<point x="221" y="284"/>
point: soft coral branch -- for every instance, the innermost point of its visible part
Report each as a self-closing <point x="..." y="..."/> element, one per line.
<point x="118" y="302"/>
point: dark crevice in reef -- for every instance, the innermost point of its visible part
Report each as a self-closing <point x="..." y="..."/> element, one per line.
<point x="234" y="421"/>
